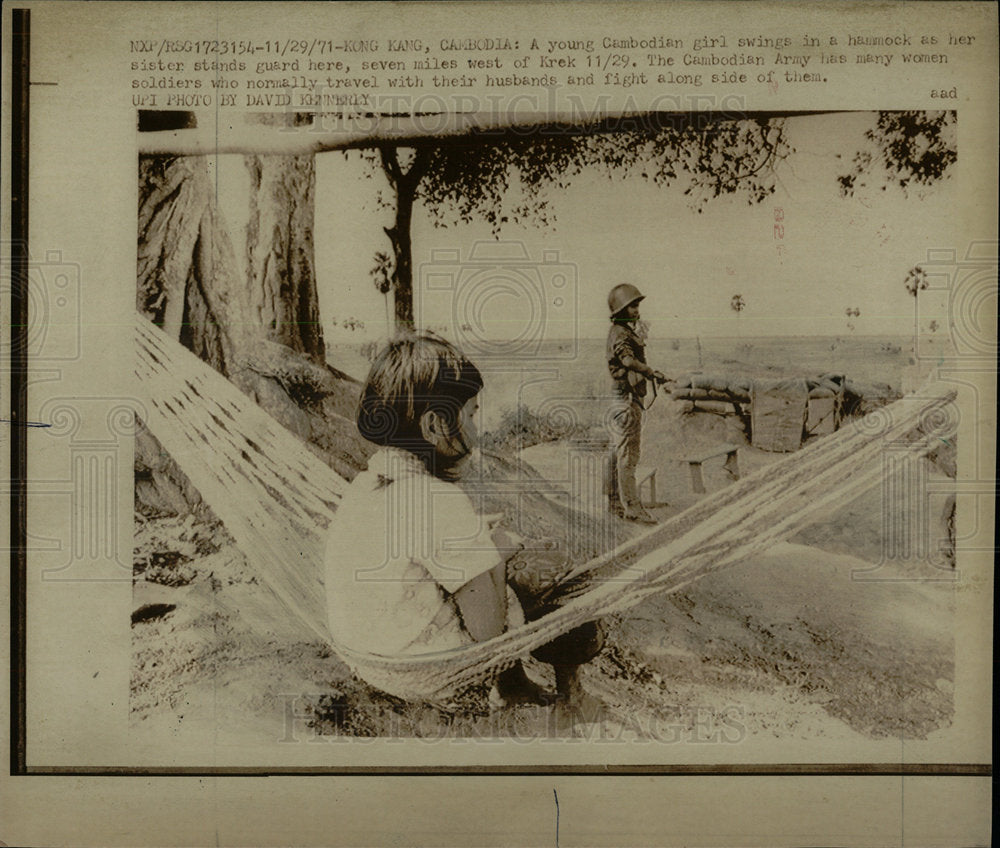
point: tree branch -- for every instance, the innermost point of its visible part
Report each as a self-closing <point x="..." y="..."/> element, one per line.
<point x="418" y="167"/>
<point x="335" y="132"/>
<point x="390" y="164"/>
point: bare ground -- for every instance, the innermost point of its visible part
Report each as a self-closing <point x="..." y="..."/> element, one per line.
<point x="814" y="639"/>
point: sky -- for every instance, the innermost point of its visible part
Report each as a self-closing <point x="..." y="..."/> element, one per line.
<point x="835" y="253"/>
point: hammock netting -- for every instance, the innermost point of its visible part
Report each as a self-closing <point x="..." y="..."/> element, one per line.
<point x="276" y="499"/>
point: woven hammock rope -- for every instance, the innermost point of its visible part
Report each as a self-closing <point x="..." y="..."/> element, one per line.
<point x="277" y="499"/>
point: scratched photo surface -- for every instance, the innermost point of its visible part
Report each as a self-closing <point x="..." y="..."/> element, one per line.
<point x="780" y="566"/>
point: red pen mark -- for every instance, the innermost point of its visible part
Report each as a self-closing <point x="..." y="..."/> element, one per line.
<point x="778" y="230"/>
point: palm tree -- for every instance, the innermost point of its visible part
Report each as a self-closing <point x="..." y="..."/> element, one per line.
<point x="916" y="282"/>
<point x="851" y="312"/>
<point x="382" y="277"/>
<point x="737" y="304"/>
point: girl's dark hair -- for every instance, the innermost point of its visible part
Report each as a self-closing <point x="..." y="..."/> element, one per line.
<point x="414" y="373"/>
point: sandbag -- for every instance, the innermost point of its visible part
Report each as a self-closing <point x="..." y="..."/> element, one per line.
<point x="778" y="414"/>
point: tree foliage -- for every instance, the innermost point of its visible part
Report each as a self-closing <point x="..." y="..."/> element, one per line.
<point x="852" y="312"/>
<point x="916" y="281"/>
<point x="508" y="179"/>
<point x="506" y="176"/>
<point x="911" y="150"/>
<point x="381" y="271"/>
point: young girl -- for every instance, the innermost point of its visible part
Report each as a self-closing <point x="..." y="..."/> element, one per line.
<point x="410" y="566"/>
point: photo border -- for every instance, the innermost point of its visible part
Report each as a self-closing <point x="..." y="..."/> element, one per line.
<point x="18" y="369"/>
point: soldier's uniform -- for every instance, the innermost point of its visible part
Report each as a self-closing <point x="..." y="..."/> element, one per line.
<point x="626" y="354"/>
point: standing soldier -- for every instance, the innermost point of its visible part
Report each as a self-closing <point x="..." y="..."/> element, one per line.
<point x="627" y="363"/>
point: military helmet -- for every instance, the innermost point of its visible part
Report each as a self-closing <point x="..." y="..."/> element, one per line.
<point x="623" y="295"/>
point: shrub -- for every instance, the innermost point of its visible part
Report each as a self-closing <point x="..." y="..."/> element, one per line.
<point x="522" y="428"/>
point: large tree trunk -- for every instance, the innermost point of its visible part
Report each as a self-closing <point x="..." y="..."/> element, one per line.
<point x="188" y="282"/>
<point x="405" y="183"/>
<point x="402" y="245"/>
<point x="186" y="278"/>
<point x="282" y="288"/>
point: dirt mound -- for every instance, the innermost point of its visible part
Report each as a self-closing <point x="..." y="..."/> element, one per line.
<point x="792" y="645"/>
<point x="800" y="642"/>
<point x="876" y="655"/>
<point x="674" y="429"/>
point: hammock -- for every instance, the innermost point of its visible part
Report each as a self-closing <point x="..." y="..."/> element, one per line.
<point x="276" y="499"/>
